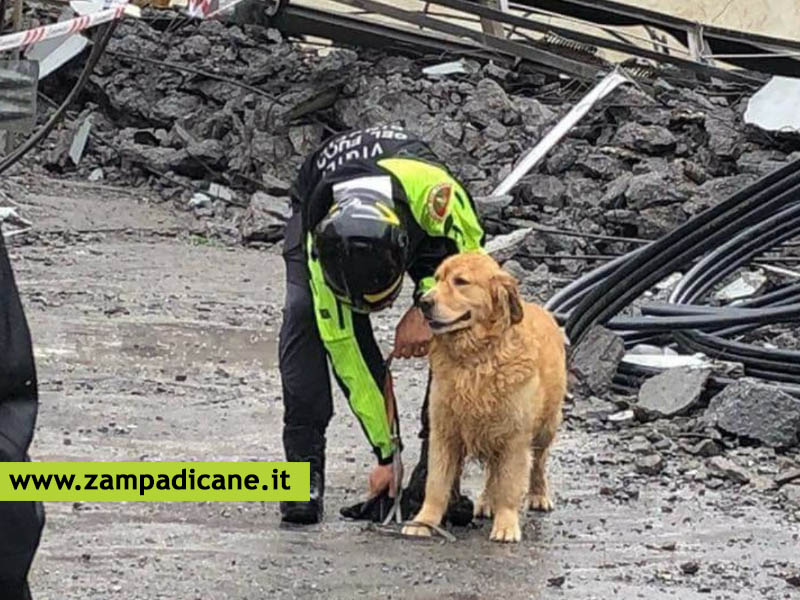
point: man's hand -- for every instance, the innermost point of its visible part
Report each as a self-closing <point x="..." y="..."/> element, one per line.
<point x="412" y="337"/>
<point x="381" y="478"/>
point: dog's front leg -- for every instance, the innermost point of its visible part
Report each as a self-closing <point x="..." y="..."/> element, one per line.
<point x="507" y="483"/>
<point x="445" y="455"/>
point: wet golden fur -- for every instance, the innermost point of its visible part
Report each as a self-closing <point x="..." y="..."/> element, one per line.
<point x="499" y="382"/>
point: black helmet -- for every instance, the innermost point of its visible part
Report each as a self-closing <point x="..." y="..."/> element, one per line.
<point x="362" y="246"/>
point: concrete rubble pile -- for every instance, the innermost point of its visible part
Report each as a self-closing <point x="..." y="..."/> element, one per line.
<point x="635" y="166"/>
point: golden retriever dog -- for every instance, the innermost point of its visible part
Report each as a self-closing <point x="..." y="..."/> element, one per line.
<point x="499" y="378"/>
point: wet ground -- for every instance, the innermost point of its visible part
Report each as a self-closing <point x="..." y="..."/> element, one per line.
<point x="154" y="344"/>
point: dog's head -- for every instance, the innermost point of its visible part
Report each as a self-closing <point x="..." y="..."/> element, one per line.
<point x="471" y="289"/>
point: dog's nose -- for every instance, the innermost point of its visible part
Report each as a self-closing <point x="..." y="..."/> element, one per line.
<point x="426" y="305"/>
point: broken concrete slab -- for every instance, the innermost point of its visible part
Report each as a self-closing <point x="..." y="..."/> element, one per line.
<point x="757" y="412"/>
<point x="671" y="393"/>
<point x="544" y="190"/>
<point x="725" y="468"/>
<point x="489" y="101"/>
<point x="594" y="361"/>
<point x="265" y="219"/>
<point x="504" y="247"/>
<point x="492" y="206"/>
<point x="653" y="139"/>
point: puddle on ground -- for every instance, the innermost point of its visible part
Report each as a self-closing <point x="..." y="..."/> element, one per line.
<point x="176" y="344"/>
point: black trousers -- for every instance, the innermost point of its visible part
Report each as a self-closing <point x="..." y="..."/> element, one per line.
<point x="21" y="523"/>
<point x="308" y="404"/>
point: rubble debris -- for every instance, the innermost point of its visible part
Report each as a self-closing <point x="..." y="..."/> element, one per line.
<point x="623" y="416"/>
<point x="640" y="445"/>
<point x="758" y="412"/>
<point x="725" y="468"/>
<point x="591" y="408"/>
<point x="788" y="476"/>
<point x="748" y="284"/>
<point x="650" y="464"/>
<point x="706" y="448"/>
<point x="492" y="206"/>
<point x="671" y="393"/>
<point x="650" y="139"/>
<point x="543" y="190"/>
<point x="594" y="361"/>
<point x="690" y="568"/>
<point x="791" y="493"/>
<point x="503" y="247"/>
<point x="265" y="219"/>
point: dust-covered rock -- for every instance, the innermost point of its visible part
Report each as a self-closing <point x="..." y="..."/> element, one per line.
<point x="594" y="361"/>
<point x="725" y="468"/>
<point x="503" y="247"/>
<point x="265" y="219"/>
<point x="757" y="412"/>
<point x="652" y="139"/>
<point x="650" y="464"/>
<point x="671" y="393"/>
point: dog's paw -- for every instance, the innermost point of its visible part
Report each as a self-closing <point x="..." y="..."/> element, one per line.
<point x="540" y="502"/>
<point x="506" y="530"/>
<point x="483" y="510"/>
<point x="416" y="530"/>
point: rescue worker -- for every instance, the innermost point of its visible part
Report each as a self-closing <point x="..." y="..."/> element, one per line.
<point x="368" y="207"/>
<point x="21" y="522"/>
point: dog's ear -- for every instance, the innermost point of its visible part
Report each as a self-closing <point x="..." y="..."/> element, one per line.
<point x="507" y="290"/>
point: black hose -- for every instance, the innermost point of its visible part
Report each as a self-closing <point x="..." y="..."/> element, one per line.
<point x="647" y="264"/>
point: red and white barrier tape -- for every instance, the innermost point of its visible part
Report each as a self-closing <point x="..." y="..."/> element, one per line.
<point x="23" y="39"/>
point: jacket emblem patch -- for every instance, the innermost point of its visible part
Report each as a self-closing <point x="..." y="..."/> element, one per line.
<point x="439" y="199"/>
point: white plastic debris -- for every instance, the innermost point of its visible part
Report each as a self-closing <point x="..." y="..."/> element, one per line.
<point x="448" y="68"/>
<point x="746" y="285"/>
<point x="623" y="416"/>
<point x="666" y="361"/>
<point x="96" y="175"/>
<point x="776" y="106"/>
<point x="670" y="282"/>
<point x="200" y="200"/>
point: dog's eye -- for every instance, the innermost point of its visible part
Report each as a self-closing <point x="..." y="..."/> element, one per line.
<point x="460" y="281"/>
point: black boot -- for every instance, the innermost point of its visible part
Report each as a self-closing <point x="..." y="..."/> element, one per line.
<point x="305" y="444"/>
<point x="460" y="508"/>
